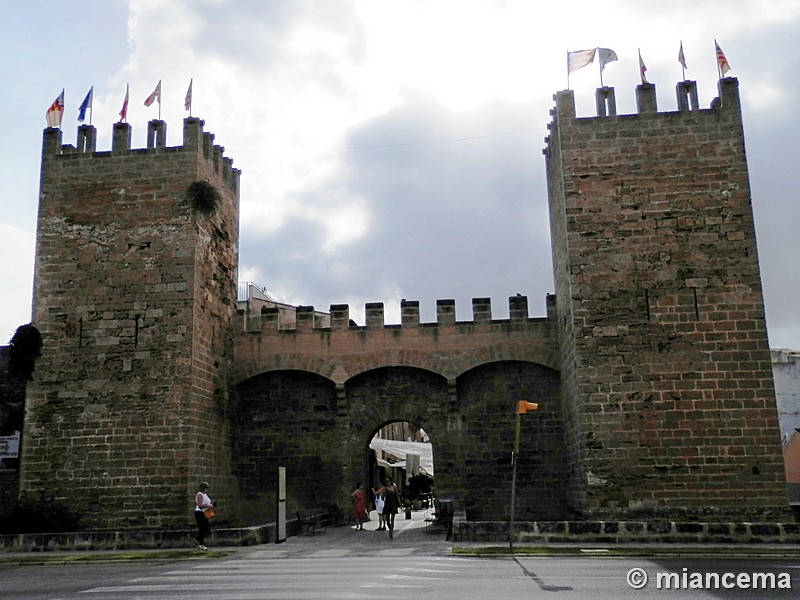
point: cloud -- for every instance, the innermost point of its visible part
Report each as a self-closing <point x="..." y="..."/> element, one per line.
<point x="15" y="274"/>
<point x="392" y="149"/>
<point x="448" y="214"/>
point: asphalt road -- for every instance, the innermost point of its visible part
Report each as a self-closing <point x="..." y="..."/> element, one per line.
<point x="246" y="576"/>
<point x="342" y="563"/>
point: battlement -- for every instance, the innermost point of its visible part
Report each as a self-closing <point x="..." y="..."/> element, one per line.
<point x="255" y="315"/>
<point x="195" y="140"/>
<point x="685" y="92"/>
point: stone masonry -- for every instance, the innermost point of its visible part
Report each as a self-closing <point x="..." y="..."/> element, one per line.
<point x="134" y="293"/>
<point x="666" y="375"/>
<point x="651" y="367"/>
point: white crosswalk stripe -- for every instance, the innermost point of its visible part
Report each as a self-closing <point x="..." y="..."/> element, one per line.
<point x="336" y="576"/>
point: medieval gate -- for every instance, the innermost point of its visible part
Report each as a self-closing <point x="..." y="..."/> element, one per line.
<point x="310" y="398"/>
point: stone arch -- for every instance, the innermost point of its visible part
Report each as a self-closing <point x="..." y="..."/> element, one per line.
<point x="479" y="460"/>
<point x="288" y="418"/>
<point x="343" y="367"/>
<point x="387" y="394"/>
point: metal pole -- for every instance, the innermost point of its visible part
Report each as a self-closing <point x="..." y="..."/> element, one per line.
<point x="513" y="485"/>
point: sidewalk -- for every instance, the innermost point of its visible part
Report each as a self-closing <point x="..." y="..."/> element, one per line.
<point x="411" y="538"/>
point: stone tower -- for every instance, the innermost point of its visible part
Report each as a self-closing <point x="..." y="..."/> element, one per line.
<point x="134" y="294"/>
<point x="666" y="377"/>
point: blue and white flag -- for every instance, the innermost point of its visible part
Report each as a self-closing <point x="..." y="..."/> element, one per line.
<point x="86" y="104"/>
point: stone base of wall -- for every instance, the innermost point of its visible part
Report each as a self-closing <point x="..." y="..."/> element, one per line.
<point x="623" y="532"/>
<point x="133" y="540"/>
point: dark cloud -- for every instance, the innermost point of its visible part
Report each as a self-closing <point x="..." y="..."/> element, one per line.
<point x="457" y="205"/>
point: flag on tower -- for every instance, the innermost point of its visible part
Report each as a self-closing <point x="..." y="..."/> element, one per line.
<point x="724" y="67"/>
<point x="681" y="57"/>
<point x="579" y="59"/>
<point x="156" y="95"/>
<point x="85" y="105"/>
<point x="56" y="111"/>
<point x="642" y="69"/>
<point x="123" y="114"/>
<point x="607" y="55"/>
<point x="187" y="103"/>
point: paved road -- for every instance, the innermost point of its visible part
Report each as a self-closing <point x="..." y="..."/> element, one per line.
<point x="342" y="563"/>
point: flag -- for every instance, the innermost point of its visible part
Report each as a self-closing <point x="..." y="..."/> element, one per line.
<point x="724" y="67"/>
<point x="56" y="111"/>
<point x="156" y="95"/>
<point x="86" y="104"/>
<point x="187" y="103"/>
<point x="642" y="69"/>
<point x="607" y="55"/>
<point x="123" y="114"/>
<point x="681" y="57"/>
<point x="579" y="59"/>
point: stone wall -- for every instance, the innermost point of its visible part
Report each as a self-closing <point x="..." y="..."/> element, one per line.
<point x="311" y="398"/>
<point x="134" y="293"/>
<point x="666" y="371"/>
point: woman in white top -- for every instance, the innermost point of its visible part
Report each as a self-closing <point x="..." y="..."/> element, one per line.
<point x="202" y="502"/>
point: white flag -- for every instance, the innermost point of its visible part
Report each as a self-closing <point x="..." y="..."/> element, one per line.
<point x="642" y="69"/>
<point x="156" y="95"/>
<point x="187" y="102"/>
<point x="681" y="57"/>
<point x="579" y="59"/>
<point x="607" y="55"/>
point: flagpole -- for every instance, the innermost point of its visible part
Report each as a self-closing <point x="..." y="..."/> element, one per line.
<point x="683" y="69"/>
<point x="159" y="99"/>
<point x="568" y="69"/>
<point x="600" y="63"/>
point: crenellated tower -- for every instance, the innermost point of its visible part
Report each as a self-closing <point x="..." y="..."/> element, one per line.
<point x="667" y="386"/>
<point x="134" y="294"/>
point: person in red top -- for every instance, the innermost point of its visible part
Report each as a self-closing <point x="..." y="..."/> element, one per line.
<point x="359" y="506"/>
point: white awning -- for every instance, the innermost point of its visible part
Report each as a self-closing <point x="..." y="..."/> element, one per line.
<point x="400" y="449"/>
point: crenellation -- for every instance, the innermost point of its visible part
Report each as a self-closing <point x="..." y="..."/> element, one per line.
<point x="409" y="312"/>
<point x="646" y="98"/>
<point x="518" y="308"/>
<point x="606" y="102"/>
<point x="374" y="314"/>
<point x="87" y="139"/>
<point x="481" y="310"/>
<point x="304" y="319"/>
<point x="686" y="93"/>
<point x="340" y="317"/>
<point x="446" y="312"/>
<point x="156" y="135"/>
<point x="121" y="138"/>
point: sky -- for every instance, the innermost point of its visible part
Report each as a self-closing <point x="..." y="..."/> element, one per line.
<point x="391" y="149"/>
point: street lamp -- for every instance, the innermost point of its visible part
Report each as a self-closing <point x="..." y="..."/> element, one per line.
<point x="523" y="406"/>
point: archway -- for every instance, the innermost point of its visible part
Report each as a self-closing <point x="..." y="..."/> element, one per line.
<point x="403" y="452"/>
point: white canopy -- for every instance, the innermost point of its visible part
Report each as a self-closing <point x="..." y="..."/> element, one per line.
<point x="400" y="449"/>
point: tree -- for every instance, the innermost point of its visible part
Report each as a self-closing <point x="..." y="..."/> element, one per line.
<point x="24" y="348"/>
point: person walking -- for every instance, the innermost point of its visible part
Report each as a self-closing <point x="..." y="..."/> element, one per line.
<point x="391" y="504"/>
<point x="359" y="506"/>
<point x="379" y="503"/>
<point x="203" y="503"/>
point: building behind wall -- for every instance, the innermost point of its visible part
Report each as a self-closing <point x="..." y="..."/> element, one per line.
<point x="134" y="293"/>
<point x="666" y="374"/>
